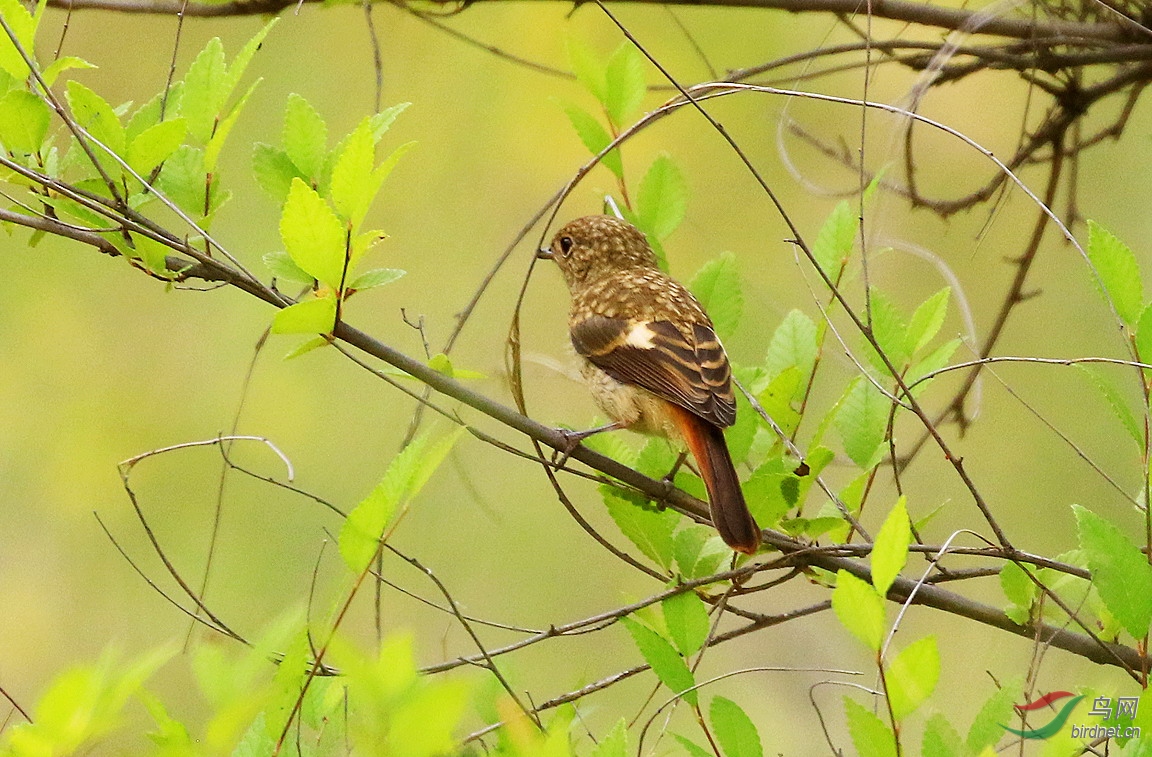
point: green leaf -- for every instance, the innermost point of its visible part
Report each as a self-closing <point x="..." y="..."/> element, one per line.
<point x="889" y="331"/>
<point x="1019" y="589"/>
<point x="666" y="662"/>
<point x="282" y="267"/>
<point x="624" y="86"/>
<point x="595" y="137"/>
<point x="355" y="181"/>
<point x="96" y="116"/>
<point x="777" y="397"/>
<point x="793" y="344"/>
<point x="1144" y="338"/>
<point x="153" y="254"/>
<point x="988" y="727"/>
<point x="154" y="145"/>
<point x="316" y="316"/>
<point x="717" y="286"/>
<point x="305" y="137"/>
<point x="834" y="241"/>
<point x="734" y="729"/>
<point x="243" y="58"/>
<point x="377" y="277"/>
<point x="933" y="361"/>
<point x="615" y="743"/>
<point x="406" y="475"/>
<point x="890" y="552"/>
<point x="586" y="66"/>
<point x="1117" y="272"/>
<point x="698" y="551"/>
<point x="274" y="170"/>
<point x="24" y="121"/>
<point x="313" y="235"/>
<point x="205" y="90"/>
<point x="1120" y="572"/>
<point x="772" y="491"/>
<point x="645" y="526"/>
<point x="182" y="180"/>
<point x="870" y="736"/>
<point x="662" y="200"/>
<point x="23" y="26"/>
<point x="382" y="121"/>
<point x="307" y="346"/>
<point x="912" y="676"/>
<point x="1116" y="401"/>
<point x="926" y="321"/>
<point x="859" y="608"/>
<point x="941" y="739"/>
<point x="224" y="128"/>
<point x="64" y="63"/>
<point x="687" y="619"/>
<point x="691" y="747"/>
<point x="862" y="419"/>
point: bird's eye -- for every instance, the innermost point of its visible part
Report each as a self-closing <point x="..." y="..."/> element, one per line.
<point x="566" y="246"/>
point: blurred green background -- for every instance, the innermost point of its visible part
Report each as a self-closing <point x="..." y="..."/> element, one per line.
<point x="98" y="363"/>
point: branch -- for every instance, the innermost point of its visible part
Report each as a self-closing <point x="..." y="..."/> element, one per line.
<point x="894" y="10"/>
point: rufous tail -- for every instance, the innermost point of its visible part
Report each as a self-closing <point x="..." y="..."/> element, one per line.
<point x="729" y="511"/>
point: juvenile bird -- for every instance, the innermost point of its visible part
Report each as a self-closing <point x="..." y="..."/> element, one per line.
<point x="651" y="358"/>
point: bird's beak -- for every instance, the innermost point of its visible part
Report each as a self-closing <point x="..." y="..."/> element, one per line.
<point x="544" y="253"/>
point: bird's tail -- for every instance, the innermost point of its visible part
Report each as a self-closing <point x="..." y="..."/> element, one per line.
<point x="730" y="515"/>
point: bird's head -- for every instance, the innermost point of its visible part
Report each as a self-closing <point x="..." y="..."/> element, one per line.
<point x="594" y="246"/>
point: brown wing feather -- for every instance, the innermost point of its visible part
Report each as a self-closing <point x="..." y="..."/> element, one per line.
<point x="692" y="372"/>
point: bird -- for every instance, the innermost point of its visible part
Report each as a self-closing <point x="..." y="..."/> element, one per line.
<point x="651" y="357"/>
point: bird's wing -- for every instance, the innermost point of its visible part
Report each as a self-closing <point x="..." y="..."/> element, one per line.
<point x="690" y="370"/>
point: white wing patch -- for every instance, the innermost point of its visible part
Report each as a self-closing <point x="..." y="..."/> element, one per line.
<point x="640" y="337"/>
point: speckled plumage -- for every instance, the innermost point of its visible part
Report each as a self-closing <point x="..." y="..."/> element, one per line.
<point x="653" y="362"/>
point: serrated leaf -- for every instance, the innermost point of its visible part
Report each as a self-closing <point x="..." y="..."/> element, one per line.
<point x="862" y="419"/>
<point x="1019" y="589"/>
<point x="834" y="241"/>
<point x="305" y="347"/>
<point x="282" y="267"/>
<point x="717" y="286"/>
<point x="382" y="121"/>
<point x="594" y="137"/>
<point x="698" y="551"/>
<point x="933" y="361"/>
<point x="274" y="170"/>
<point x="24" y="121"/>
<point x="1120" y="572"/>
<point x="585" y="63"/>
<point x="243" y="58"/>
<point x="889" y="330"/>
<point x="988" y="727"/>
<point x="615" y="743"/>
<point x="1144" y="338"/>
<point x="155" y="144"/>
<point x="377" y="277"/>
<point x="941" y="739"/>
<point x="926" y="321"/>
<point x="304" y="137"/>
<point x="870" y="735"/>
<point x="23" y="26"/>
<point x="687" y="619"/>
<point x="1115" y="401"/>
<point x="406" y="475"/>
<point x="645" y="526"/>
<point x="691" y="747"/>
<point x="665" y="661"/>
<point x="662" y="200"/>
<point x="890" y="552"/>
<point x="94" y="113"/>
<point x="624" y="86"/>
<point x="204" y="90"/>
<point x="153" y="254"/>
<point x="1117" y="272"/>
<point x="792" y="344"/>
<point x="313" y="235"/>
<point x="316" y="316"/>
<point x="224" y="128"/>
<point x="182" y="179"/>
<point x="859" y="608"/>
<point x="771" y="492"/>
<point x="734" y="729"/>
<point x="912" y="676"/>
<point x="354" y="178"/>
<point x="777" y="397"/>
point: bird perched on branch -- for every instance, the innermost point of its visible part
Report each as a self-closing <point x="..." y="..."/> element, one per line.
<point x="651" y="358"/>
